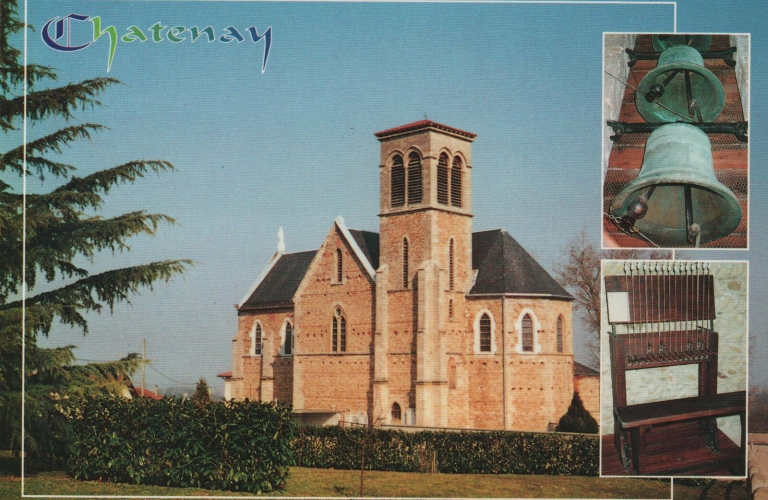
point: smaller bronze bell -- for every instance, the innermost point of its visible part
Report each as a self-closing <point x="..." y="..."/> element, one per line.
<point x="680" y="88"/>
<point x="698" y="42"/>
<point x="676" y="200"/>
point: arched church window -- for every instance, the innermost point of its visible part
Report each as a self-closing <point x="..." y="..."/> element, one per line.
<point x="414" y="178"/>
<point x="442" y="179"/>
<point x="398" y="182"/>
<point x="396" y="412"/>
<point x="527" y="332"/>
<point x="256" y="336"/>
<point x="286" y="348"/>
<point x="485" y="333"/>
<point x="456" y="182"/>
<point x="405" y="263"/>
<point x="339" y="331"/>
<point x="559" y="334"/>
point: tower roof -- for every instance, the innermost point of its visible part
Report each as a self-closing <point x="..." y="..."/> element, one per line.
<point x="504" y="267"/>
<point x="423" y="124"/>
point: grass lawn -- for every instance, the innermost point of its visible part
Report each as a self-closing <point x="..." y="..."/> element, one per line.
<point x="716" y="490"/>
<point x="340" y="483"/>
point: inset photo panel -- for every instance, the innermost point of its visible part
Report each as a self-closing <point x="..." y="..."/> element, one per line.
<point x="674" y="368"/>
<point x="675" y="140"/>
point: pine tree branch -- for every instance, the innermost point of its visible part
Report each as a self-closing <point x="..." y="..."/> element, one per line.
<point x="50" y="143"/>
<point x="88" y="293"/>
<point x="59" y="101"/>
<point x="103" y="180"/>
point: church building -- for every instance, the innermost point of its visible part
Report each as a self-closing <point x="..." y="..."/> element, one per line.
<point x="424" y="323"/>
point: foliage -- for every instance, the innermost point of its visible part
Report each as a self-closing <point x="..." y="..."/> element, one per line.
<point x="577" y="418"/>
<point x="579" y="272"/>
<point x="202" y="394"/>
<point x="238" y="446"/>
<point x="44" y="237"/>
<point x="497" y="452"/>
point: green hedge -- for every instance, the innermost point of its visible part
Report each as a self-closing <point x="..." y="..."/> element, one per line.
<point x="238" y="446"/>
<point x="456" y="452"/>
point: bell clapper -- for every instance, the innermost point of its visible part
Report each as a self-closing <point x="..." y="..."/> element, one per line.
<point x="637" y="208"/>
<point x="657" y="89"/>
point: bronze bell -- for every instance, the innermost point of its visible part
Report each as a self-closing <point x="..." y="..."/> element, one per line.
<point x="676" y="200"/>
<point x="680" y="88"/>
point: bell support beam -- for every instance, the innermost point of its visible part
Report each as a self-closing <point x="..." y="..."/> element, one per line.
<point x="726" y="55"/>
<point x="738" y="129"/>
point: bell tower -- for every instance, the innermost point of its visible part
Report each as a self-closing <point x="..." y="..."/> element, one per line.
<point x="425" y="202"/>
<point x="425" y="251"/>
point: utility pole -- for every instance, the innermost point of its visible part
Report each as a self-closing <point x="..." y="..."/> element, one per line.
<point x="143" y="364"/>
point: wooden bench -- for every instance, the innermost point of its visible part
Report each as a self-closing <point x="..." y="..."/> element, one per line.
<point x="636" y="418"/>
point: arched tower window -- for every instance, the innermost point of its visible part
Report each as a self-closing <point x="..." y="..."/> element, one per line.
<point x="396" y="412"/>
<point x="456" y="182"/>
<point x="339" y="331"/>
<point x="339" y="265"/>
<point x="442" y="179"/>
<point x="405" y="263"/>
<point x="414" y="178"/>
<point x="559" y="334"/>
<point x="451" y="373"/>
<point x="450" y="264"/>
<point x="527" y="332"/>
<point x="398" y="182"/>
<point x="286" y="347"/>
<point x="256" y="336"/>
<point x="485" y="333"/>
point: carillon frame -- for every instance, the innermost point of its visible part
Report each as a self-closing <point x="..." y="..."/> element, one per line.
<point x="662" y="314"/>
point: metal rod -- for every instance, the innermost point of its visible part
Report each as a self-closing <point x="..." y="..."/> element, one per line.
<point x="689" y="93"/>
<point x="726" y="55"/>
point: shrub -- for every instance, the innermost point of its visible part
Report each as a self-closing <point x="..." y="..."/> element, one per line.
<point x="498" y="452"/>
<point x="577" y="418"/>
<point x="238" y="446"/>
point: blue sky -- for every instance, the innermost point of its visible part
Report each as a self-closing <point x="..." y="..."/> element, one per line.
<point x="294" y="146"/>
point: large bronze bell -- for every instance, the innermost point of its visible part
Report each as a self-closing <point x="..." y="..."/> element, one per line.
<point x="698" y="42"/>
<point x="676" y="200"/>
<point x="680" y="88"/>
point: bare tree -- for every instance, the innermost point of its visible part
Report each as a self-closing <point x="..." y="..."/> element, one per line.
<point x="369" y="430"/>
<point x="579" y="272"/>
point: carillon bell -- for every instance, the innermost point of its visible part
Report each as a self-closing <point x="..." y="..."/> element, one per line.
<point x="698" y="42"/>
<point x="680" y="88"/>
<point x="676" y="200"/>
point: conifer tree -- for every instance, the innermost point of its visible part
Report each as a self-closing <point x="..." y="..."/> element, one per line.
<point x="202" y="393"/>
<point x="41" y="238"/>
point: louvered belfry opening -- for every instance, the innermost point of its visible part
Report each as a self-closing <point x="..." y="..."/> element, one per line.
<point x="442" y="179"/>
<point x="414" y="179"/>
<point x="398" y="182"/>
<point x="485" y="333"/>
<point x="456" y="182"/>
<point x="339" y="265"/>
<point x="405" y="263"/>
<point x="450" y="265"/>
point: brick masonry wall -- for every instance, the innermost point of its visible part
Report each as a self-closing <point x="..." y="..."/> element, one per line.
<point x="327" y="379"/>
<point x="589" y="392"/>
<point x="659" y="384"/>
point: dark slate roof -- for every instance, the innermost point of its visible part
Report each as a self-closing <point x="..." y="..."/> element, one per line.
<point x="579" y="369"/>
<point x="369" y="244"/>
<point x="505" y="267"/>
<point x="280" y="284"/>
